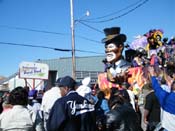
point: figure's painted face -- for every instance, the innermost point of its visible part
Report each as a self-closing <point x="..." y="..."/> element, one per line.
<point x="158" y="38"/>
<point x="113" y="52"/>
<point x="151" y="41"/>
<point x="158" y="35"/>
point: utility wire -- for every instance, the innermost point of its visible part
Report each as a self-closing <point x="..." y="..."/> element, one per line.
<point x="33" y="30"/>
<point x="35" y="46"/>
<point x="47" y="32"/>
<point x="93" y="28"/>
<point x="46" y="47"/>
<point x="116" y="12"/>
<point x="117" y="17"/>
<point x="90" y="52"/>
<point x="89" y="39"/>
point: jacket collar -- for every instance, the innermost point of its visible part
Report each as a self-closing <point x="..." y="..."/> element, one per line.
<point x="70" y="92"/>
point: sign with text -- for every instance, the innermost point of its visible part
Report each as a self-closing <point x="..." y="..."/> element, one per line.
<point x="32" y="70"/>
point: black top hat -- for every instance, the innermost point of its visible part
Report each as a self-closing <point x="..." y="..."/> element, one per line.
<point x="113" y="35"/>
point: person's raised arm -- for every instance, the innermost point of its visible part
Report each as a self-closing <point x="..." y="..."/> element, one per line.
<point x="160" y="93"/>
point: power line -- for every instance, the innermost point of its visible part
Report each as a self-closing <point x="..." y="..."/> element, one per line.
<point x="89" y="39"/>
<point x="35" y="46"/>
<point x="33" y="30"/>
<point x="116" y="12"/>
<point x="117" y="17"/>
<point x="47" y="32"/>
<point x="93" y="28"/>
<point x="89" y="52"/>
<point x="46" y="47"/>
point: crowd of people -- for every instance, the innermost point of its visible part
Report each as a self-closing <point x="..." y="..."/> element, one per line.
<point x="65" y="108"/>
<point x="109" y="105"/>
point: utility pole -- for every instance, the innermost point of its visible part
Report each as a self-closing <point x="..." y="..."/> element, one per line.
<point x="73" y="39"/>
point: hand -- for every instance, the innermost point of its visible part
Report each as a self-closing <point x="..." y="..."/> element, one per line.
<point x="151" y="71"/>
<point x="145" y="121"/>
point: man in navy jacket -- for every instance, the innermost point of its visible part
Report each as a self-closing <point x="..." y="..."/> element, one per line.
<point x="71" y="112"/>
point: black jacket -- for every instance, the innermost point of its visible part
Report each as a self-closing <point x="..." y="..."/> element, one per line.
<point x="71" y="113"/>
<point x="122" y="118"/>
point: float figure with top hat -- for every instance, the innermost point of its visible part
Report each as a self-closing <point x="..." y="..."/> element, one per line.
<point x="116" y="66"/>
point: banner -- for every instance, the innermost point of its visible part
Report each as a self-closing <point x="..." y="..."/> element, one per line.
<point x="32" y="70"/>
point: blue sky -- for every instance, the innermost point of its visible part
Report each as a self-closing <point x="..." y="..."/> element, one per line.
<point x="54" y="16"/>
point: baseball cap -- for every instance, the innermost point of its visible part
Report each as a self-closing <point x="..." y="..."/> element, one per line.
<point x="67" y="81"/>
<point x="32" y="93"/>
<point x="57" y="83"/>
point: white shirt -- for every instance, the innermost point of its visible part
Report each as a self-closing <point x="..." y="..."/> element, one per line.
<point x="19" y="118"/>
<point x="49" y="99"/>
<point x="166" y="88"/>
<point x="132" y="98"/>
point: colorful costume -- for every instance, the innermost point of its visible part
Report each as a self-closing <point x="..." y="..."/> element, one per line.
<point x="154" y="40"/>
